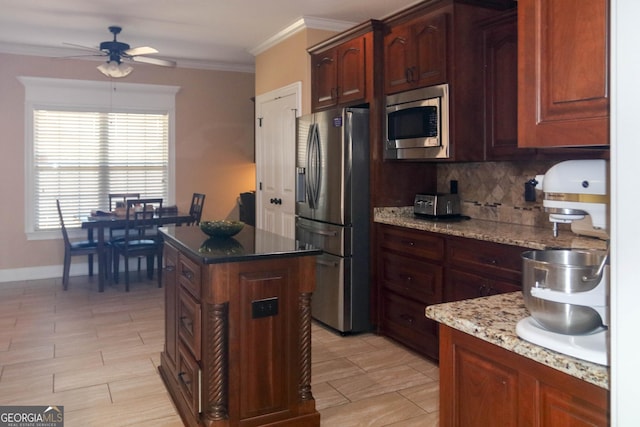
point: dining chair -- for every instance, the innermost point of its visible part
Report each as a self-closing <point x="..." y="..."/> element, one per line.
<point x="116" y="198"/>
<point x="195" y="211"/>
<point x="140" y="239"/>
<point x="85" y="247"/>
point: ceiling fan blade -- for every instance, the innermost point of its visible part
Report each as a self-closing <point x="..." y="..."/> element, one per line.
<point x="87" y="48"/>
<point x="142" y="50"/>
<point x="154" y="61"/>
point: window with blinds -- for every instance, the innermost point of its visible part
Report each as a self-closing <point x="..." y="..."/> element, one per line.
<point x="80" y="157"/>
<point x="85" y="139"/>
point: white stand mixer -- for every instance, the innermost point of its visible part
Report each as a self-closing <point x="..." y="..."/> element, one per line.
<point x="573" y="190"/>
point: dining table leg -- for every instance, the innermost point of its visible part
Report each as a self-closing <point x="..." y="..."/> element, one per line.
<point x="102" y="259"/>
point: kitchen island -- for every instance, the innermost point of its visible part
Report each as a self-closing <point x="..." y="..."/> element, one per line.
<point x="489" y="376"/>
<point x="238" y="328"/>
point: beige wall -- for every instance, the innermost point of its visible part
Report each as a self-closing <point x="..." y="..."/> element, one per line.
<point x="289" y="62"/>
<point x="214" y="145"/>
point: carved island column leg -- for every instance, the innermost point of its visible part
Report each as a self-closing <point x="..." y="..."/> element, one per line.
<point x="216" y="408"/>
<point x="304" y="386"/>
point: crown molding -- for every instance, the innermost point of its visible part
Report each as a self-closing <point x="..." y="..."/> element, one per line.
<point x="299" y="25"/>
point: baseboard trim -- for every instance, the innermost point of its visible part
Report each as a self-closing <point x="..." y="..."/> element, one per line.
<point x="53" y="271"/>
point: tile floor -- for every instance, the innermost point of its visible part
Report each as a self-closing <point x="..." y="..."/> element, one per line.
<point x="97" y="354"/>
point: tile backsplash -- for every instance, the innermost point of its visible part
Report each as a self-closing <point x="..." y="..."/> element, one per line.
<point x="495" y="190"/>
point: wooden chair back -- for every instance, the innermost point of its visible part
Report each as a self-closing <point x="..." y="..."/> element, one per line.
<point x="197" y="203"/>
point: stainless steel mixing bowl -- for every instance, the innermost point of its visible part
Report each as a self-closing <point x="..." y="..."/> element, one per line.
<point x="566" y="271"/>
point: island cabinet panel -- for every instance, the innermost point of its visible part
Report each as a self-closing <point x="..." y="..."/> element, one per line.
<point x="482" y="384"/>
<point x="563" y="81"/>
<point x="416" y="54"/>
<point x="170" y="353"/>
<point x="238" y="349"/>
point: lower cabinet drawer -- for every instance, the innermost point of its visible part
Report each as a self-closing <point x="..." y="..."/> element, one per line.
<point x="189" y="322"/>
<point x="461" y="285"/>
<point x="404" y="320"/>
<point x="411" y="278"/>
<point x="189" y="379"/>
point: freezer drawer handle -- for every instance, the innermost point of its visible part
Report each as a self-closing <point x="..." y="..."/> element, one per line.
<point x="319" y="232"/>
<point x="327" y="264"/>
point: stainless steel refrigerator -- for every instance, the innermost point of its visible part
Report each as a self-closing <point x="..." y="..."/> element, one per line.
<point x="332" y="213"/>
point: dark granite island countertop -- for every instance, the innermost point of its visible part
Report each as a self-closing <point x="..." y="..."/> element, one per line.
<point x="251" y="244"/>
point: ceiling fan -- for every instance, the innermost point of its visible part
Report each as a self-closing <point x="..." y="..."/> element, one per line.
<point x="116" y="51"/>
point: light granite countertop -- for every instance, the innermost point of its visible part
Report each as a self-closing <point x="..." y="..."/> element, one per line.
<point x="537" y="238"/>
<point x="494" y="318"/>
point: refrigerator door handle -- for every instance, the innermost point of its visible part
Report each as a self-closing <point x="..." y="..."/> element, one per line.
<point x="313" y="166"/>
<point x="318" y="232"/>
<point x="301" y="187"/>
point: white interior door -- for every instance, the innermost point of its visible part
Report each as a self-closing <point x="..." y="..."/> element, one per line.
<point x="276" y="114"/>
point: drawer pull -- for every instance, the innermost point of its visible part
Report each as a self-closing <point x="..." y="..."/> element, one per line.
<point x="181" y="377"/>
<point x="170" y="268"/>
<point x="187" y="322"/>
<point x="188" y="274"/>
<point x="408" y="319"/>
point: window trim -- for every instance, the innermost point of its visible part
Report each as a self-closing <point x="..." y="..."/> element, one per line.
<point x="42" y="93"/>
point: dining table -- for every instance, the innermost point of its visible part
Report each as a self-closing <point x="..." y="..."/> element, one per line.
<point x="96" y="224"/>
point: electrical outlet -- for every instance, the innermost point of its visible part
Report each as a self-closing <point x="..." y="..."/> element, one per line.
<point x="264" y="307"/>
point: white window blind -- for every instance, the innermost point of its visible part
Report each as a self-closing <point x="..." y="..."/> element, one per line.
<point x="85" y="139"/>
<point x="80" y="157"/>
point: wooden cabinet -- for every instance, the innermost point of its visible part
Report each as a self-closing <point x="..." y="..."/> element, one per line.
<point x="476" y="269"/>
<point x="563" y="80"/>
<point x="410" y="274"/>
<point x="482" y="384"/>
<point x="438" y="42"/>
<point x="416" y="54"/>
<point x="342" y="68"/>
<point x="417" y="268"/>
<point x="500" y="60"/>
<point x="339" y="74"/>
<point x="238" y="340"/>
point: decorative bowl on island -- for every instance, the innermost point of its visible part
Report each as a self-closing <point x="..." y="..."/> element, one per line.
<point x="221" y="228"/>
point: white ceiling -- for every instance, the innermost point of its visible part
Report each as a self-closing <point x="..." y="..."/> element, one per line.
<point x="216" y="34"/>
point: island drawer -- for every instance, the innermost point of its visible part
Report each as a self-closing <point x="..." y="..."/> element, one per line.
<point x="189" y="380"/>
<point x="189" y="275"/>
<point x="189" y="322"/>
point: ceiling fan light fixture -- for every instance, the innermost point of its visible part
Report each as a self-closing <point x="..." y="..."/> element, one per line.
<point x="115" y="70"/>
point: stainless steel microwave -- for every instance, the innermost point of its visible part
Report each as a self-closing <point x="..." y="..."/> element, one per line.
<point x="417" y="124"/>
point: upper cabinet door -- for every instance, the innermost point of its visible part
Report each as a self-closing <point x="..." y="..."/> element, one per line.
<point x="563" y="85"/>
<point x="416" y="54"/>
<point x="339" y="74"/>
<point x="430" y="37"/>
<point x="351" y="70"/>
<point x="324" y="79"/>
